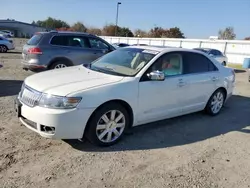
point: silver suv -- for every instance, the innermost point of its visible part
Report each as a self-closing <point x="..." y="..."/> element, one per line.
<point x="52" y="50"/>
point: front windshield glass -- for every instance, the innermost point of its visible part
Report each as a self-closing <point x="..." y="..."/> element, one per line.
<point x="124" y="61"/>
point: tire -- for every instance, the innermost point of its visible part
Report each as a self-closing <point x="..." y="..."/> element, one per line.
<point x="59" y="64"/>
<point x="218" y="98"/>
<point x="3" y="49"/>
<point x="102" y="133"/>
<point x="224" y="63"/>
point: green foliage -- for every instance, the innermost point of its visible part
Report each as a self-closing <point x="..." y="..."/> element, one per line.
<point x="79" y="27"/>
<point x="159" y="32"/>
<point x="227" y="34"/>
<point x="52" y="23"/>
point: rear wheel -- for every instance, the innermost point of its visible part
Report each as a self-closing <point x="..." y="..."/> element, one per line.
<point x="59" y="65"/>
<point x="3" y="49"/>
<point x="216" y="102"/>
<point x="107" y="125"/>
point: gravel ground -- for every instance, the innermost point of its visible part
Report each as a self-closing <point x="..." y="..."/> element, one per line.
<point x="190" y="151"/>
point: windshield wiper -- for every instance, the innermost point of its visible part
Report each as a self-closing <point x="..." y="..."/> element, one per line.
<point x="107" y="71"/>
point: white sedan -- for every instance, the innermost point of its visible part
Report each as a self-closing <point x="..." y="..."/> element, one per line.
<point x="125" y="88"/>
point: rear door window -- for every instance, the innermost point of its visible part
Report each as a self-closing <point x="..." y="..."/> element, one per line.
<point x="35" y="39"/>
<point x="59" y="41"/>
<point x="72" y="41"/>
<point x="78" y="41"/>
<point x="197" y="63"/>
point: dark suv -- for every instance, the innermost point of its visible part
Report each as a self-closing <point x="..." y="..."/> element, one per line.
<point x="52" y="50"/>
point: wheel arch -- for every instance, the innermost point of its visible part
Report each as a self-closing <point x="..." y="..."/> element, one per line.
<point x="220" y="88"/>
<point x="56" y="59"/>
<point x="119" y="101"/>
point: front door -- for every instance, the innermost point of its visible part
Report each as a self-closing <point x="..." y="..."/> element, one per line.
<point x="160" y="99"/>
<point x="98" y="48"/>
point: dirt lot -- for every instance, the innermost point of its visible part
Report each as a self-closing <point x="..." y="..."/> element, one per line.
<point x="191" y="151"/>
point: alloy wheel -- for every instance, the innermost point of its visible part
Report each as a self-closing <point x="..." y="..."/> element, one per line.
<point x="59" y="66"/>
<point x="110" y="126"/>
<point x="3" y="49"/>
<point x="217" y="102"/>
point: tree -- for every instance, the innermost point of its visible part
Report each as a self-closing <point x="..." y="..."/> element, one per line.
<point x="78" y="26"/>
<point x="124" y="32"/>
<point x="94" y="31"/>
<point x="108" y="30"/>
<point x="140" y="33"/>
<point x="227" y="34"/>
<point x="157" y="32"/>
<point x="174" y="32"/>
<point x="52" y="23"/>
<point x="247" y="38"/>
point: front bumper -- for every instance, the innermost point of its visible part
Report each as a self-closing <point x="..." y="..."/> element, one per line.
<point x="67" y="124"/>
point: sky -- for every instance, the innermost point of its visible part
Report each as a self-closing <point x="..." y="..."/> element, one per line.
<point x="195" y="18"/>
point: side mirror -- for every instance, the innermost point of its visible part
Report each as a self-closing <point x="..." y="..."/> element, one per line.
<point x="156" y="76"/>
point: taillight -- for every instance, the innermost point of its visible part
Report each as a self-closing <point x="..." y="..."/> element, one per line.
<point x="34" y="51"/>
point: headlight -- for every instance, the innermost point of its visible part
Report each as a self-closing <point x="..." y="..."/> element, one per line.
<point x="58" y="102"/>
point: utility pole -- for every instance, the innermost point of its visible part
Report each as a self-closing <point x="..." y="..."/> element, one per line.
<point x="117" y="12"/>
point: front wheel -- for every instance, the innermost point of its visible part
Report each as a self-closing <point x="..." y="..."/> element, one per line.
<point x="216" y="102"/>
<point x="107" y="125"/>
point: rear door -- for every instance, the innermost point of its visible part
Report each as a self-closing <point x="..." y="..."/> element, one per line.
<point x="74" y="47"/>
<point x="201" y="77"/>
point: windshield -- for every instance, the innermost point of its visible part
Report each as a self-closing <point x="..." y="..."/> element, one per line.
<point x="124" y="61"/>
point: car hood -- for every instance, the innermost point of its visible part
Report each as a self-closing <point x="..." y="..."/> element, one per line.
<point x="69" y="80"/>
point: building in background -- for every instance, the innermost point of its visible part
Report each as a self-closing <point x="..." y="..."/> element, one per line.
<point x="213" y="37"/>
<point x="20" y="29"/>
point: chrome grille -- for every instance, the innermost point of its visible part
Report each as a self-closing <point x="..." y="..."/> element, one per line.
<point x="29" y="96"/>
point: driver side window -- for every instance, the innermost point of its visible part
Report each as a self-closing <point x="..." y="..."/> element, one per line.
<point x="170" y="64"/>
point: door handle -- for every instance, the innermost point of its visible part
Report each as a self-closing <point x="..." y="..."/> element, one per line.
<point x="214" y="78"/>
<point x="181" y="83"/>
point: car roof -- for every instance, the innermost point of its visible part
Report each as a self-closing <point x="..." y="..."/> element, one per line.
<point x="67" y="32"/>
<point x="164" y="48"/>
<point x="205" y="48"/>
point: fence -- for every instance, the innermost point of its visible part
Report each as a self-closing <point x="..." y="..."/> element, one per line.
<point x="235" y="50"/>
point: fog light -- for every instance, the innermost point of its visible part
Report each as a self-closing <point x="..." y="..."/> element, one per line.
<point x="47" y="129"/>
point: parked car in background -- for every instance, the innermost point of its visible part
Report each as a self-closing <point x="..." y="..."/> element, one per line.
<point x="140" y="45"/>
<point x="120" y="45"/>
<point x="78" y="102"/>
<point x="8" y="33"/>
<point x="54" y="50"/>
<point x="5" y="35"/>
<point x="6" y="44"/>
<point x="216" y="54"/>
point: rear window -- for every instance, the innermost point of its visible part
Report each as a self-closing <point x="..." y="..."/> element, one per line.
<point x="35" y="39"/>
